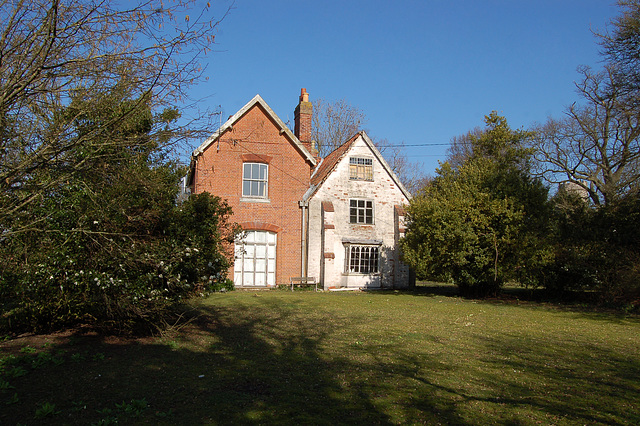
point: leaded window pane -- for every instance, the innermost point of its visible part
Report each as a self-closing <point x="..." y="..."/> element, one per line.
<point x="361" y="211"/>
<point x="362" y="259"/>
<point x="360" y="168"/>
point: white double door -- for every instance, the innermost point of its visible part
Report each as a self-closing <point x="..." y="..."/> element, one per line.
<point x="255" y="259"/>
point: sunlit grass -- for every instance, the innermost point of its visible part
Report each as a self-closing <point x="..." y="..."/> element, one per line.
<point x="358" y="358"/>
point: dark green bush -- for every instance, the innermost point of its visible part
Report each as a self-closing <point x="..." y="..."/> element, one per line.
<point x="598" y="249"/>
<point x="483" y="222"/>
<point x="116" y="281"/>
<point x="108" y="244"/>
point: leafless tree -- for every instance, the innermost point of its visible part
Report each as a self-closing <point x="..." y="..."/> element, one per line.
<point x="596" y="144"/>
<point x="55" y="51"/>
<point x="410" y="173"/>
<point x="461" y="148"/>
<point x="334" y="123"/>
<point x="621" y="49"/>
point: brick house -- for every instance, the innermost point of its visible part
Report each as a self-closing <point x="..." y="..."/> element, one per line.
<point x="286" y="202"/>
<point x="262" y="169"/>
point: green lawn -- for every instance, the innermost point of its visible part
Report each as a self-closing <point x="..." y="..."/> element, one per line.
<point x="282" y="357"/>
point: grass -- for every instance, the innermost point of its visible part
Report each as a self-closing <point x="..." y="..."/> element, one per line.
<point x="283" y="357"/>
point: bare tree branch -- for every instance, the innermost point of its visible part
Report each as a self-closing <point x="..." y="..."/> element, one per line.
<point x="595" y="145"/>
<point x="333" y="123"/>
<point x="52" y="52"/>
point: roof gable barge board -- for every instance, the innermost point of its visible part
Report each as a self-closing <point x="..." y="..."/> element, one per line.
<point x="257" y="100"/>
<point x="331" y="161"/>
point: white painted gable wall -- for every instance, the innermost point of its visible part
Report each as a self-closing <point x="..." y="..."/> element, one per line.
<point x="325" y="241"/>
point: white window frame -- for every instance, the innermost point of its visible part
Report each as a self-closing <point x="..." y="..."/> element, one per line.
<point x="255" y="259"/>
<point x="361" y="207"/>
<point x="251" y="180"/>
<point x="361" y="168"/>
<point x="363" y="259"/>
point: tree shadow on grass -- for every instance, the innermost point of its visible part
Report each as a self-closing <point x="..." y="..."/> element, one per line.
<point x="583" y="304"/>
<point x="582" y="383"/>
<point x="228" y="365"/>
<point x="517" y="381"/>
<point x="273" y="361"/>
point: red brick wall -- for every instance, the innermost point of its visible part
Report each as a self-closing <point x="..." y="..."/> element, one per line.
<point x="219" y="171"/>
<point x="302" y="119"/>
<point x="303" y="114"/>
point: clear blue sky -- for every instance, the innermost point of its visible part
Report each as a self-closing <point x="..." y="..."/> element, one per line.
<point x="422" y="71"/>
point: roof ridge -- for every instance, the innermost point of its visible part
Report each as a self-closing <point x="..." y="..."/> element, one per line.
<point x="256" y="100"/>
<point x="329" y="163"/>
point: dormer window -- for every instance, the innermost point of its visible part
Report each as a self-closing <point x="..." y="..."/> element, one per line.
<point x="255" y="179"/>
<point x="360" y="168"/>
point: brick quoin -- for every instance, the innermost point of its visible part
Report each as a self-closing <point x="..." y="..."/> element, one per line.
<point x="256" y="137"/>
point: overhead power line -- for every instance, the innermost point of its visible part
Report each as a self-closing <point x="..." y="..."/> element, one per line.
<point x="401" y="145"/>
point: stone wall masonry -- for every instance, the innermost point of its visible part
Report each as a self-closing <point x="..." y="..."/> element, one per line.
<point x="339" y="189"/>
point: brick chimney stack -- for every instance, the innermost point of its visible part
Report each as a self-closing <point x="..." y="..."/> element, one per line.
<point x="303" y="114"/>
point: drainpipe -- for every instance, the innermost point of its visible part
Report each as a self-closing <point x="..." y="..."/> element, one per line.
<point x="303" y="267"/>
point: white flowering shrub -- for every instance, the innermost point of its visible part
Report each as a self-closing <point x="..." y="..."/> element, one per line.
<point x="109" y="245"/>
<point x="117" y="280"/>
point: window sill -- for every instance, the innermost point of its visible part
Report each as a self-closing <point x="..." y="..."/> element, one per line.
<point x="361" y="241"/>
<point x="254" y="200"/>
<point x="360" y="274"/>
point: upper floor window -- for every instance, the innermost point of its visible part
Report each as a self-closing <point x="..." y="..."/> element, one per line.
<point x="360" y="168"/>
<point x="255" y="179"/>
<point x="361" y="211"/>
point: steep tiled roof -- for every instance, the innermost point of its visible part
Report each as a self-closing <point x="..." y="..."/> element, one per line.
<point x="329" y="162"/>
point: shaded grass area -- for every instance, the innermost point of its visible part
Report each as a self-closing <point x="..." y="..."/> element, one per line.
<point x="325" y="358"/>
